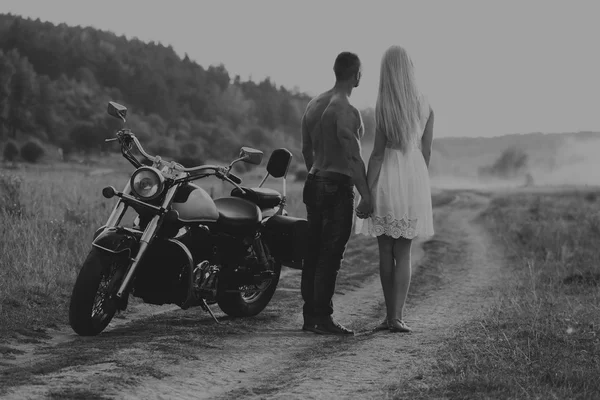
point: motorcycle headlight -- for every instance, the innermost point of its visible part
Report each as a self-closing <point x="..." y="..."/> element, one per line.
<point x="147" y="183"/>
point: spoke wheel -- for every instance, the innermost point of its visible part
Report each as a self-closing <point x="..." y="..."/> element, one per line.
<point x="91" y="308"/>
<point x="249" y="301"/>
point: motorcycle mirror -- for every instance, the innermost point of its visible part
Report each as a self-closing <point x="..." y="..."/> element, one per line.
<point x="117" y="110"/>
<point x="279" y="162"/>
<point x="251" y="156"/>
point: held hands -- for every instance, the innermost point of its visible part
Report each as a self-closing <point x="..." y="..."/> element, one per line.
<point x="364" y="208"/>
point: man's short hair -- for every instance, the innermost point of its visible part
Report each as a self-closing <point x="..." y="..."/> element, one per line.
<point x="346" y="66"/>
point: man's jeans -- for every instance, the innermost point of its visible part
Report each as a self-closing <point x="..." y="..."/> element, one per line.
<point x="329" y="199"/>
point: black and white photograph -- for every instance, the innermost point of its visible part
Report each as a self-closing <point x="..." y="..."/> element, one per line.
<point x="277" y="199"/>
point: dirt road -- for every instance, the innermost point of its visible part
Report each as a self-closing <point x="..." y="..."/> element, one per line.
<point x="166" y="353"/>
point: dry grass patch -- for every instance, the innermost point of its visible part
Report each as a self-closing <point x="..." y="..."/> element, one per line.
<point x="542" y="338"/>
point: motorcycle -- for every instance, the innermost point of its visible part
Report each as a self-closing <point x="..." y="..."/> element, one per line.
<point x="184" y="247"/>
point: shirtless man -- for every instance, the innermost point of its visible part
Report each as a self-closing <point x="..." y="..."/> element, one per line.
<point x="331" y="133"/>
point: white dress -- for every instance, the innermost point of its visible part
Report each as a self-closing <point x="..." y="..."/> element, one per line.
<point x="402" y="193"/>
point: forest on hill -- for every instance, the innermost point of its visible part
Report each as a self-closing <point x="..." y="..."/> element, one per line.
<point x="56" y="81"/>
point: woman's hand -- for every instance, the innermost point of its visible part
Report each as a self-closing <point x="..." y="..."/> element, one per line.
<point x="364" y="208"/>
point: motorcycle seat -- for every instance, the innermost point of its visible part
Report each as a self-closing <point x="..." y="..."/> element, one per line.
<point x="237" y="213"/>
<point x="262" y="197"/>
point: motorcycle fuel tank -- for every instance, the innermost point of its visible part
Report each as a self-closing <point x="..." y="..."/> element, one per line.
<point x="194" y="204"/>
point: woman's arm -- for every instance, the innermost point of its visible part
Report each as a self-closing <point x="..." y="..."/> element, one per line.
<point x="376" y="159"/>
<point x="364" y="209"/>
<point x="427" y="139"/>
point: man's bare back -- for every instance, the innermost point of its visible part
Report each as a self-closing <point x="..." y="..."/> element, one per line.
<point x="331" y="132"/>
<point x="328" y="125"/>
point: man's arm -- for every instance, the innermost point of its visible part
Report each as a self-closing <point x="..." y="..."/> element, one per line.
<point x="347" y="123"/>
<point x="427" y="139"/>
<point x="307" y="148"/>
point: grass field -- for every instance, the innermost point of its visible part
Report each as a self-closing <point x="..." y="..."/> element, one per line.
<point x="48" y="214"/>
<point x="541" y="339"/>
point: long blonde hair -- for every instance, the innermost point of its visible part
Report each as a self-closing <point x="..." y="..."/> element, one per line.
<point x="399" y="101"/>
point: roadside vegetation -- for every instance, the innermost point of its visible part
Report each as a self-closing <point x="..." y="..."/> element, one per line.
<point x="541" y="338"/>
<point x="48" y="214"/>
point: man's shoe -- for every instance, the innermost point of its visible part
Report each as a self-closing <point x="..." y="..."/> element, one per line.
<point x="309" y="323"/>
<point x="309" y="327"/>
<point x="332" y="328"/>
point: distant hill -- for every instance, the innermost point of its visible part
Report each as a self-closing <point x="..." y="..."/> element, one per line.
<point x="546" y="157"/>
<point x="56" y="80"/>
<point x="550" y="156"/>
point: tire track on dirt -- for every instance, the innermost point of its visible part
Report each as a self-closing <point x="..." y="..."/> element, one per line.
<point x="269" y="352"/>
<point x="373" y="365"/>
<point x="233" y="353"/>
<point x="184" y="354"/>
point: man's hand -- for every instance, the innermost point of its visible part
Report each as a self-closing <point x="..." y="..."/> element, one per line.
<point x="364" y="208"/>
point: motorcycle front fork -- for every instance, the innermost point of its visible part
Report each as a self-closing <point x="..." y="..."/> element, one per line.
<point x="147" y="236"/>
<point x="118" y="210"/>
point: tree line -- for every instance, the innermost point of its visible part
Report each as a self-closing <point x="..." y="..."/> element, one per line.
<point x="56" y="80"/>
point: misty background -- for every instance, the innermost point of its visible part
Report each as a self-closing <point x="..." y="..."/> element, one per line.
<point x="514" y="86"/>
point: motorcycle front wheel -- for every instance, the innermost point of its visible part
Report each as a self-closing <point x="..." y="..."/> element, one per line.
<point x="91" y="308"/>
<point x="247" y="303"/>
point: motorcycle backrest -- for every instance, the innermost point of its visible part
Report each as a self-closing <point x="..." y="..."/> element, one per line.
<point x="279" y="163"/>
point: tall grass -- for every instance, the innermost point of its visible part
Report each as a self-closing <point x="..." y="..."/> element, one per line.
<point x="42" y="245"/>
<point x="542" y="338"/>
<point x="48" y="215"/>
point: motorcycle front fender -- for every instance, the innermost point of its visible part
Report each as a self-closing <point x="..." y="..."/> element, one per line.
<point x="118" y="240"/>
<point x="99" y="231"/>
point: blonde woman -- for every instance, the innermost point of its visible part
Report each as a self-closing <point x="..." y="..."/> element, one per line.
<point x="398" y="178"/>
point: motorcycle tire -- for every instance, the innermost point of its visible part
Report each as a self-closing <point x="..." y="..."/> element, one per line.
<point x="239" y="304"/>
<point x="90" y="308"/>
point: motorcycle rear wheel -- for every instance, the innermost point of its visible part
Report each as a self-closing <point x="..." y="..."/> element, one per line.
<point x="91" y="309"/>
<point x="248" y="303"/>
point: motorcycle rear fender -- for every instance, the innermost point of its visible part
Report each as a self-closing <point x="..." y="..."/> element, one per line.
<point x="118" y="240"/>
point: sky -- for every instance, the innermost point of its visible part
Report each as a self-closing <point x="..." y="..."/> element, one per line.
<point x="488" y="67"/>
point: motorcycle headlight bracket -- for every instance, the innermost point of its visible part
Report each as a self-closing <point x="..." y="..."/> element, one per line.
<point x="147" y="183"/>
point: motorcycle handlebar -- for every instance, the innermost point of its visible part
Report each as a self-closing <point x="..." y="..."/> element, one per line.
<point x="236" y="179"/>
<point x="218" y="169"/>
<point x="141" y="149"/>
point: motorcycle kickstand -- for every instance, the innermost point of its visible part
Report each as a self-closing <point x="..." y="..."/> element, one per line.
<point x="207" y="308"/>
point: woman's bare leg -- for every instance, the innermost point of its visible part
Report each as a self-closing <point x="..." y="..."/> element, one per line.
<point x="401" y="277"/>
<point x="386" y="271"/>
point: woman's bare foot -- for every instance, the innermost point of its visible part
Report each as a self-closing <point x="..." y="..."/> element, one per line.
<point x="384" y="326"/>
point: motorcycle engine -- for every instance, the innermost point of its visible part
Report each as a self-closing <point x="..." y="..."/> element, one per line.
<point x="206" y="280"/>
